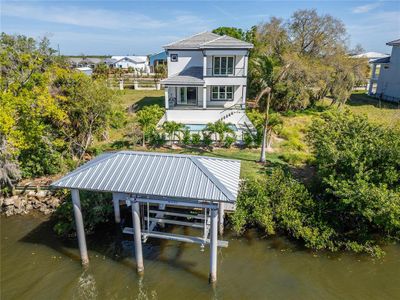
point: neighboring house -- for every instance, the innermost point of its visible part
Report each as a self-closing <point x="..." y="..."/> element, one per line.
<point x="157" y="59"/>
<point x="207" y="81"/>
<point x="136" y="62"/>
<point x="85" y="70"/>
<point x="386" y="85"/>
<point x="79" y="62"/>
<point x="371" y="55"/>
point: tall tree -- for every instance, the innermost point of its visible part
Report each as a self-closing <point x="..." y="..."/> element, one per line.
<point x="234" y="32"/>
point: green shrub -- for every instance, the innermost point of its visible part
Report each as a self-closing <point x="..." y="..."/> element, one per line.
<point x="280" y="203"/>
<point x="186" y="137"/>
<point x="207" y="140"/>
<point x="229" y="140"/>
<point x="157" y="139"/>
<point x="196" y="139"/>
<point x="248" y="139"/>
<point x="97" y="208"/>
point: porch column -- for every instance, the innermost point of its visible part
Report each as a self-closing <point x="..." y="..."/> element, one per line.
<point x="166" y="98"/>
<point x="245" y="64"/>
<point x="244" y="91"/>
<point x="213" y="245"/>
<point x="221" y="214"/>
<point x="117" y="213"/>
<point x="137" y="236"/>
<point x="204" y="65"/>
<point x="204" y="97"/>
<point x="80" y="231"/>
<point x="372" y="80"/>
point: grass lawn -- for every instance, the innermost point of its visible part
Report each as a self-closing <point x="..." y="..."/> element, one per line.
<point x="290" y="150"/>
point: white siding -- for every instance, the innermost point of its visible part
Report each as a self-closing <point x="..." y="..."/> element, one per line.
<point x="186" y="59"/>
<point x="389" y="77"/>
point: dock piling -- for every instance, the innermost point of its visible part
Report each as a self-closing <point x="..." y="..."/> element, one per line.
<point x="213" y="245"/>
<point x="137" y="236"/>
<point x="80" y="230"/>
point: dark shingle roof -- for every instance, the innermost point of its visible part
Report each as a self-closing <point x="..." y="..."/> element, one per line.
<point x="394" y="43"/>
<point x="192" y="75"/>
<point x="208" y="40"/>
<point x="384" y="60"/>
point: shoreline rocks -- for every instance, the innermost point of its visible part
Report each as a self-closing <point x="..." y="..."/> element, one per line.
<point x="23" y="202"/>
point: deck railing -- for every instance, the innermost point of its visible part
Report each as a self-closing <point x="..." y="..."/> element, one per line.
<point x="235" y="72"/>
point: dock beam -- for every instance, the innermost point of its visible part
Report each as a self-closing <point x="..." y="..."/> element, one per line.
<point x="137" y="236"/>
<point x="80" y="230"/>
<point x="213" y="245"/>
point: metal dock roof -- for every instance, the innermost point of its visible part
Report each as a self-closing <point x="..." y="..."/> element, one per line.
<point x="172" y="176"/>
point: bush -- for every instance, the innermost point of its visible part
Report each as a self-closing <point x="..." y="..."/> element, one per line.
<point x="157" y="139"/>
<point x="196" y="139"/>
<point x="207" y="140"/>
<point x="248" y="139"/>
<point x="280" y="203"/>
<point x="186" y="137"/>
<point x="97" y="208"/>
<point x="228" y="142"/>
<point x="358" y="182"/>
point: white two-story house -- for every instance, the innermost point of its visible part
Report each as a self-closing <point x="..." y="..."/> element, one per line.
<point x="207" y="78"/>
<point x="386" y="84"/>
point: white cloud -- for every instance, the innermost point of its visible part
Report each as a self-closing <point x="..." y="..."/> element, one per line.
<point x="98" y="18"/>
<point x="362" y="9"/>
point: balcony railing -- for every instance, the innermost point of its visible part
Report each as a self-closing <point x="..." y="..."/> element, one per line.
<point x="230" y="72"/>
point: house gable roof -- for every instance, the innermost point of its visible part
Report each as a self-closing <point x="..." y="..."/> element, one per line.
<point x="208" y="40"/>
<point x="135" y="59"/>
<point x="384" y="60"/>
<point x="394" y="43"/>
<point x="159" y="175"/>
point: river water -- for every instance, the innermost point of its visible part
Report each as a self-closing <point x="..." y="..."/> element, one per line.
<point x="37" y="265"/>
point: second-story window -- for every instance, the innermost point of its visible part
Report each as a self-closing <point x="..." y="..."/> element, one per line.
<point x="223" y="65"/>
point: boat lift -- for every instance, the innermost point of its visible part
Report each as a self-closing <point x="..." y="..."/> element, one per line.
<point x="180" y="190"/>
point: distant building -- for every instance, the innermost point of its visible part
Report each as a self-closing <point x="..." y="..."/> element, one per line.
<point x="85" y="70"/>
<point x="79" y="62"/>
<point x="386" y="84"/>
<point x="125" y="62"/>
<point x="371" y="55"/>
<point x="157" y="59"/>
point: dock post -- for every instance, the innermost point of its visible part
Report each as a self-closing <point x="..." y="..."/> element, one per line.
<point x="137" y="236"/>
<point x="213" y="245"/>
<point x="80" y="231"/>
<point x="117" y="213"/>
<point x="221" y="218"/>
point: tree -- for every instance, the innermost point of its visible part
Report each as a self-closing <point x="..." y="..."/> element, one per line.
<point x="358" y="165"/>
<point x="172" y="128"/>
<point x="101" y="71"/>
<point x="267" y="74"/>
<point x="28" y="109"/>
<point x="316" y="35"/>
<point x="89" y="105"/>
<point x="234" y="32"/>
<point x="147" y="118"/>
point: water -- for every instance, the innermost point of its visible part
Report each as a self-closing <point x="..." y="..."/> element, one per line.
<point x="37" y="265"/>
<point x="200" y="127"/>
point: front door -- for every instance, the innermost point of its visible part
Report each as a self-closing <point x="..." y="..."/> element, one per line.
<point x="187" y="95"/>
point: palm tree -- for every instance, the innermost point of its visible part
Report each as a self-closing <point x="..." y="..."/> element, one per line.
<point x="210" y="129"/>
<point x="221" y="128"/>
<point x="172" y="128"/>
<point x="266" y="73"/>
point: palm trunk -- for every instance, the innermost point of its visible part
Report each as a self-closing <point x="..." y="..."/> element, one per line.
<point x="265" y="131"/>
<point x="143" y="141"/>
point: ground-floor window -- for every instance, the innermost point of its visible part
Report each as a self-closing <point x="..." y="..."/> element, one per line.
<point x="222" y="93"/>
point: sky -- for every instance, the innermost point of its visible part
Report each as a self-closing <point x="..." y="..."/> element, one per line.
<point x="143" y="27"/>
